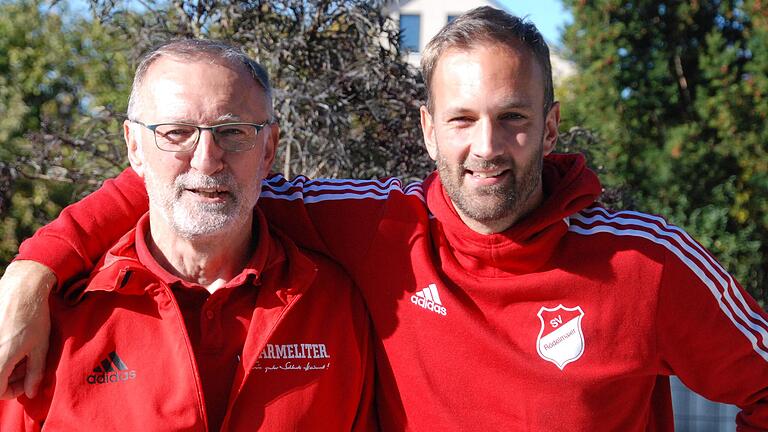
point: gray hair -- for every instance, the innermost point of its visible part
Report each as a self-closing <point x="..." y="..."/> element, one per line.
<point x="191" y="50"/>
<point x="485" y="25"/>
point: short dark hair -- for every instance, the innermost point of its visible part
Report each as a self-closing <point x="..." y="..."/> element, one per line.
<point x="192" y="50"/>
<point x="485" y="25"/>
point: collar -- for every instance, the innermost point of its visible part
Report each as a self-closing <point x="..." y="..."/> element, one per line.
<point x="262" y="241"/>
<point x="129" y="259"/>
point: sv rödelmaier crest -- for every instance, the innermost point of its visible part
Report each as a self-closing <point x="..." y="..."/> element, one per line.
<point x="560" y="340"/>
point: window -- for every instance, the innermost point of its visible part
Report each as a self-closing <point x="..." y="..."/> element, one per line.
<point x="410" y="27"/>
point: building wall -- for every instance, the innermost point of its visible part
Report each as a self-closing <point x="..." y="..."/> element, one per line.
<point x="434" y="15"/>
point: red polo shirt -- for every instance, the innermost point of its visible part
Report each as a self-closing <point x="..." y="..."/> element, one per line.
<point x="217" y="323"/>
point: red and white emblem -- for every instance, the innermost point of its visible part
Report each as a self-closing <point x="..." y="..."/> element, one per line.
<point x="560" y="340"/>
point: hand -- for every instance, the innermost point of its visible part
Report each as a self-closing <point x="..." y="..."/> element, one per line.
<point x="24" y="328"/>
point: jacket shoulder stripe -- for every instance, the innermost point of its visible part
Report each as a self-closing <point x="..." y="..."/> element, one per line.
<point x="319" y="190"/>
<point x="719" y="282"/>
<point x="687" y="242"/>
<point x="698" y="252"/>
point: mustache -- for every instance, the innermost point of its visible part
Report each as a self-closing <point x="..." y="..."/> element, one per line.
<point x="499" y="162"/>
<point x="225" y="181"/>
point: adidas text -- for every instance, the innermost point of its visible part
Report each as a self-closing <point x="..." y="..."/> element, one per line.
<point x="429" y="299"/>
<point x="110" y="378"/>
<point x="111" y="370"/>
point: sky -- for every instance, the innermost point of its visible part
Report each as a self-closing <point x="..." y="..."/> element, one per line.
<point x="548" y="15"/>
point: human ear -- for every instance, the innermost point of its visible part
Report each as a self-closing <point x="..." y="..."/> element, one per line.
<point x="428" y="130"/>
<point x="551" y="128"/>
<point x="135" y="152"/>
<point x="270" y="148"/>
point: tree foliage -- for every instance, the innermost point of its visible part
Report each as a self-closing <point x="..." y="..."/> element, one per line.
<point x="682" y="92"/>
<point x="58" y="83"/>
<point x="346" y="100"/>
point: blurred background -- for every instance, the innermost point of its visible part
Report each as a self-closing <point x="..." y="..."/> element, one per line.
<point x="667" y="99"/>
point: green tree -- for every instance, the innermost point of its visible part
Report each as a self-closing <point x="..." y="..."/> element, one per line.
<point x="56" y="77"/>
<point x="681" y="88"/>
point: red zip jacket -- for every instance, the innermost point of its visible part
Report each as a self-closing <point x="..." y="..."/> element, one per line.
<point x="572" y="319"/>
<point x="121" y="359"/>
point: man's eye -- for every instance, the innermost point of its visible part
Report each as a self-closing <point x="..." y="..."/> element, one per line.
<point x="511" y="116"/>
<point x="231" y="131"/>
<point x="175" y="132"/>
<point x="460" y="120"/>
<point x="178" y="132"/>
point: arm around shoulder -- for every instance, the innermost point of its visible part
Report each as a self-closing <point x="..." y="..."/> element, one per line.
<point x="84" y="231"/>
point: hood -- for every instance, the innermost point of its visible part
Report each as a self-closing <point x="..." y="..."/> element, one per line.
<point x="569" y="186"/>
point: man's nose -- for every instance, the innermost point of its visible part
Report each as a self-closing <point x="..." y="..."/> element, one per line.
<point x="207" y="157"/>
<point x="487" y="142"/>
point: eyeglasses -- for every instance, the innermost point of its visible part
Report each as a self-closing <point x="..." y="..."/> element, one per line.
<point x="181" y="137"/>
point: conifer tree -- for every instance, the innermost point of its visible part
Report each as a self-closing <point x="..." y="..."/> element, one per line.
<point x="677" y="93"/>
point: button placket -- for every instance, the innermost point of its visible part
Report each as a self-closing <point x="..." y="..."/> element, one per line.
<point x="211" y="323"/>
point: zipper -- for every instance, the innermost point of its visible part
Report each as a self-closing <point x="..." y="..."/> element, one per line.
<point x="247" y="368"/>
<point x="201" y="407"/>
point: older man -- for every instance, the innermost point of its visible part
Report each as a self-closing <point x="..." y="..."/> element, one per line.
<point x="202" y="317"/>
<point x="505" y="298"/>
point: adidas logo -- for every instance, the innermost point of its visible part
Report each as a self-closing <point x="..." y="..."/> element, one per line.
<point x="428" y="298"/>
<point x="111" y="370"/>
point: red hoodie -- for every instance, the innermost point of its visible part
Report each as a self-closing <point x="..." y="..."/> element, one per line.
<point x="572" y="319"/>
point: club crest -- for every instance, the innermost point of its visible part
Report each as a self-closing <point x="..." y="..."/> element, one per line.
<point x="560" y="340"/>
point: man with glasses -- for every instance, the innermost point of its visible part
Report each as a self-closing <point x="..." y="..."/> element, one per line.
<point x="202" y="317"/>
